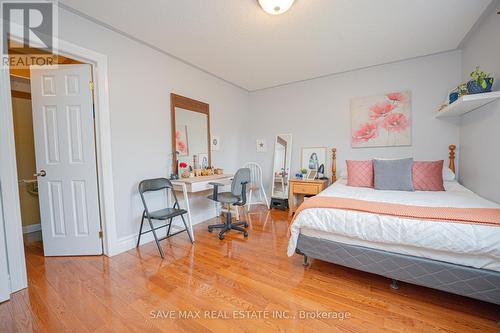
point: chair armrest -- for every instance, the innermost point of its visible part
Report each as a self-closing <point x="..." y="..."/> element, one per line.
<point x="216" y="189"/>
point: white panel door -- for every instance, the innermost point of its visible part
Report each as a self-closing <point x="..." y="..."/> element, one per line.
<point x="63" y="123"/>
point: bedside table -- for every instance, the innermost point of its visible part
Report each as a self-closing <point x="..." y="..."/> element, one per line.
<point x="300" y="187"/>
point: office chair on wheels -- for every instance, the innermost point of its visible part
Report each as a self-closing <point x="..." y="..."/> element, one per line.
<point x="237" y="197"/>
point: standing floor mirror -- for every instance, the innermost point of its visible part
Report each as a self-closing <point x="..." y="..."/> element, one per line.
<point x="281" y="171"/>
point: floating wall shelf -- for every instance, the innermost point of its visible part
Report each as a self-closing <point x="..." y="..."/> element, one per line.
<point x="467" y="104"/>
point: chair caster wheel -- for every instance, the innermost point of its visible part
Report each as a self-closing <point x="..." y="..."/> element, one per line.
<point x="221" y="237"/>
<point x="245" y="234"/>
<point x="210" y="229"/>
<point x="245" y="225"/>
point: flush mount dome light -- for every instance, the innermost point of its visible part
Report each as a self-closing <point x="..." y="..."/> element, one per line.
<point x="276" y="7"/>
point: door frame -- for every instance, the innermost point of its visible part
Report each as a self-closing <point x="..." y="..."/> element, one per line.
<point x="4" y="269"/>
<point x="8" y="170"/>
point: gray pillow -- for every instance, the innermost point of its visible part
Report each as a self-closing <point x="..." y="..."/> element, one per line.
<point x="393" y="174"/>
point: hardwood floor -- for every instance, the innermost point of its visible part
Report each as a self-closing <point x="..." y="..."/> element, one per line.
<point x="135" y="291"/>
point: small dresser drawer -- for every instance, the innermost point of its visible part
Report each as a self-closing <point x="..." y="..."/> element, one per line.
<point x="305" y="189"/>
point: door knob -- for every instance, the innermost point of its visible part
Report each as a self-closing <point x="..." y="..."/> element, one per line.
<point x="42" y="173"/>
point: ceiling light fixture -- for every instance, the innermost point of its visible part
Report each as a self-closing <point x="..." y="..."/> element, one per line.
<point x="275" y="7"/>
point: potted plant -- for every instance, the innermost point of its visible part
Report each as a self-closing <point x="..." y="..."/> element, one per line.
<point x="480" y="83"/>
<point x="304" y="173"/>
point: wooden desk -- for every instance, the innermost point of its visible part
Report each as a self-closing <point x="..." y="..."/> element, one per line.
<point x="202" y="183"/>
<point x="300" y="187"/>
<point x="195" y="186"/>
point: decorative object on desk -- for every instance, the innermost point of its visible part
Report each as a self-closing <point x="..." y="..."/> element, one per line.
<point x="181" y="140"/>
<point x="182" y="169"/>
<point x="311" y="175"/>
<point x="312" y="158"/>
<point x="219" y="171"/>
<point x="185" y="174"/>
<point x="381" y="121"/>
<point x="215" y="143"/>
<point x="197" y="172"/>
<point x="321" y="171"/>
<point x="303" y="173"/>
<point x="196" y="165"/>
<point x="480" y="83"/>
<point x="203" y="160"/>
<point x="261" y="145"/>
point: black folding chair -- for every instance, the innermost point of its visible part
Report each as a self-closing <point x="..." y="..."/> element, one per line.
<point x="166" y="214"/>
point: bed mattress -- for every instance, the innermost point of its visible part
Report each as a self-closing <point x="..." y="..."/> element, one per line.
<point x="458" y="243"/>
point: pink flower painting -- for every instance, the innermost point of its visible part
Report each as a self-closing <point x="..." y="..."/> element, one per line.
<point x="365" y="133"/>
<point x="396" y="122"/>
<point x="381" y="121"/>
<point x="181" y="140"/>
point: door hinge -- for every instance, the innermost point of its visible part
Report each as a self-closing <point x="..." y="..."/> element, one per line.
<point x="91" y="84"/>
<point x="101" y="234"/>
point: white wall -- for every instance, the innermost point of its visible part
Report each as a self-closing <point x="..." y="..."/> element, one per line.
<point x="480" y="130"/>
<point x="317" y="113"/>
<point x="140" y="82"/>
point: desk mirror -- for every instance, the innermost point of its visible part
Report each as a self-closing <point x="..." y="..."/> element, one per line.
<point x="190" y="133"/>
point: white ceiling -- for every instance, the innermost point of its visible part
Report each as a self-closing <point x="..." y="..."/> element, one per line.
<point x="237" y="41"/>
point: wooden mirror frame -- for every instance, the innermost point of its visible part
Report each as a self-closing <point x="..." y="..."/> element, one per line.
<point x="178" y="101"/>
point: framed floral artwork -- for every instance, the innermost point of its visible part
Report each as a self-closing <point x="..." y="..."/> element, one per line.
<point x="381" y="121"/>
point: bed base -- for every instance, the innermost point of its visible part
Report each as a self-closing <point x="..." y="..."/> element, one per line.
<point x="476" y="283"/>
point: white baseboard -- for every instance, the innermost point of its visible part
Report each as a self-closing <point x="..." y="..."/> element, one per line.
<point x="27" y="229"/>
<point x="129" y="242"/>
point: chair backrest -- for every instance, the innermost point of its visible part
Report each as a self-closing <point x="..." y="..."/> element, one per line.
<point x="154" y="184"/>
<point x="241" y="176"/>
<point x="255" y="173"/>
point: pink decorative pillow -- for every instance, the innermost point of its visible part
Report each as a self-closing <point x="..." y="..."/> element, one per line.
<point x="428" y="176"/>
<point x="360" y="173"/>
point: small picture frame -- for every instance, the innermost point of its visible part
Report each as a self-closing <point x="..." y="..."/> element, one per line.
<point x="312" y="174"/>
<point x="261" y="145"/>
<point x="312" y="158"/>
<point x="215" y="143"/>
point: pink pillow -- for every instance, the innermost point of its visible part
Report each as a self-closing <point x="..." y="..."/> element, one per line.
<point x="360" y="173"/>
<point x="428" y="176"/>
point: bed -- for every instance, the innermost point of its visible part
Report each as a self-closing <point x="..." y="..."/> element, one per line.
<point x="460" y="258"/>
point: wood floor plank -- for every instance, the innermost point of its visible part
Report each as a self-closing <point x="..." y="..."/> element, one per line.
<point x="234" y="285"/>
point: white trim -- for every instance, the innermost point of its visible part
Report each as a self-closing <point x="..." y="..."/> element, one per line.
<point x="10" y="189"/>
<point x="4" y="269"/>
<point x="8" y="171"/>
<point x="28" y="229"/>
<point x="129" y="242"/>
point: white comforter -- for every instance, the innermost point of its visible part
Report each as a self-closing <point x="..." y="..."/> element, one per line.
<point x="459" y="243"/>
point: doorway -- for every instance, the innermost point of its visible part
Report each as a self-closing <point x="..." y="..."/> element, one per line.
<point x="54" y="132"/>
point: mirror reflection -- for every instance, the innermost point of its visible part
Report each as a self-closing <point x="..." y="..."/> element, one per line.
<point x="281" y="166"/>
<point x="191" y="138"/>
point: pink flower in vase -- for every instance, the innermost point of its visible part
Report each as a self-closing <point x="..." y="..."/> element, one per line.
<point x="366" y="132"/>
<point x="381" y="110"/>
<point x="183" y="165"/>
<point x="396" y="122"/>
